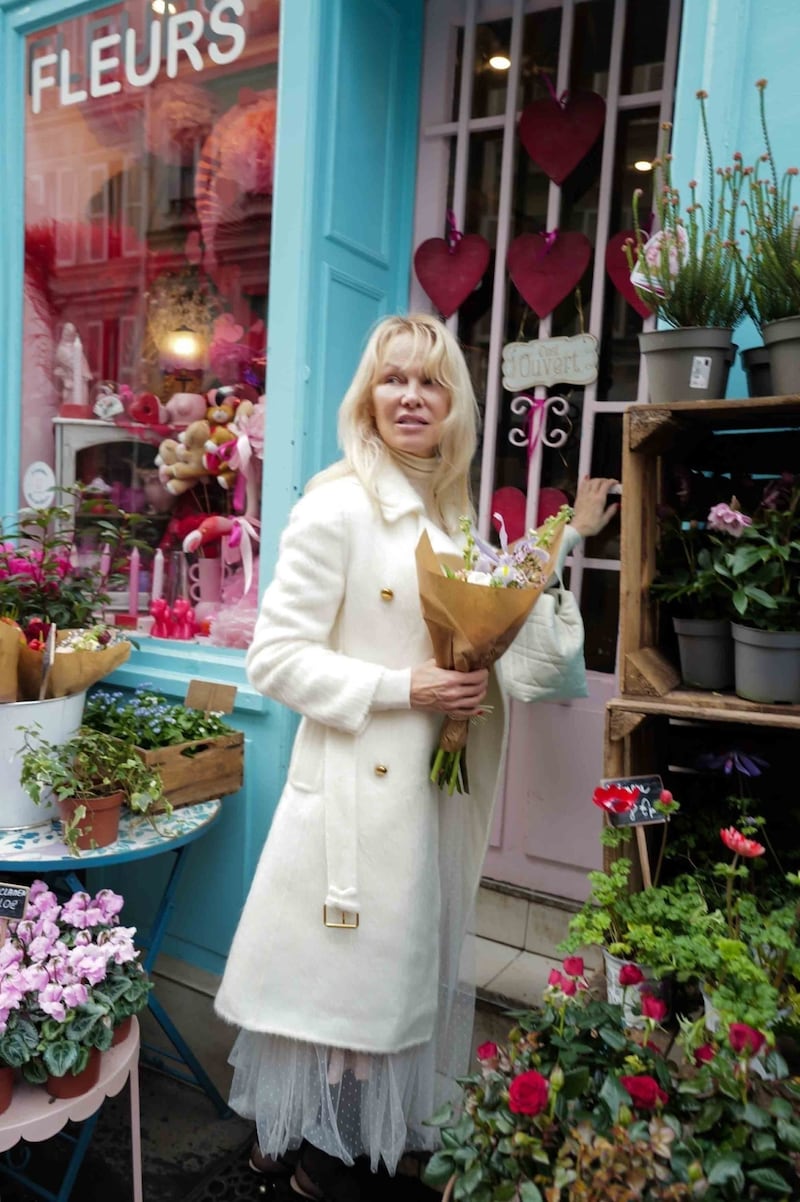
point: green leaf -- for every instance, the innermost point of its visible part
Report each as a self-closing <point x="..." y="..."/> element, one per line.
<point x="505" y="1192"/>
<point x="708" y="1116"/>
<point x="61" y="1057"/>
<point x="576" y="1082"/>
<point x="614" y="1095"/>
<point x="770" y="1181"/>
<point x="529" y="1192"/>
<point x="614" y="1039"/>
<point x="763" y="1142"/>
<point x="471" y="1180"/>
<point x="443" y="1115"/>
<point x="755" y="1116"/>
<point x="781" y="1108"/>
<point x="439" y="1169"/>
<point x="789" y="1133"/>
<point x="726" y="1168"/>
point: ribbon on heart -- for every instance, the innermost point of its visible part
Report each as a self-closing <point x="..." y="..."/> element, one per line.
<point x="558" y="132"/>
<point x="450" y="269"/>
<point x="546" y="267"/>
<point x="620" y="273"/>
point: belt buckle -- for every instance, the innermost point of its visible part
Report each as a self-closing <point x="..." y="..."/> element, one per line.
<point x="344" y="925"/>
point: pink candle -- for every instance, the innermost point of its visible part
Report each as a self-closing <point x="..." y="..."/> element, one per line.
<point x="157" y="587"/>
<point x="133" y="590"/>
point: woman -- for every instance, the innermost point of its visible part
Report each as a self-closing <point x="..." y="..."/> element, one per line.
<point x="343" y="973"/>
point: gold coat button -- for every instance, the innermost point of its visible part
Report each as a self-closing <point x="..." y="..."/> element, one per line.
<point x="387" y="594"/>
<point x="381" y="769"/>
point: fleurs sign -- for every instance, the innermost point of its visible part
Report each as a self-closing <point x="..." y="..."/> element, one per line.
<point x="629" y="800"/>
<point x="110" y="56"/>
<point x="546" y="361"/>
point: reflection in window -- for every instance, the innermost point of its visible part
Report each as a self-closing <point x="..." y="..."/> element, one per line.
<point x="149" y="154"/>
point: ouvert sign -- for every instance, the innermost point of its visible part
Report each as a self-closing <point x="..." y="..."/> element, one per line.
<point x="166" y="39"/>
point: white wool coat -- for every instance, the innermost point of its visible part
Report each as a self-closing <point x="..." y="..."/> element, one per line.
<point x="358" y="824"/>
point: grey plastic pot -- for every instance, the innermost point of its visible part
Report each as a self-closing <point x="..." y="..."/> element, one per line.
<point x="705" y="647"/>
<point x="767" y="664"/>
<point x="757" y="364"/>
<point x="782" y="337"/>
<point x="687" y="365"/>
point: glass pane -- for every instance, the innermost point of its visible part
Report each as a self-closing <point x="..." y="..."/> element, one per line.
<point x="645" y="44"/>
<point x="600" y="609"/>
<point x="591" y="46"/>
<point x="489" y="85"/>
<point x="149" y="146"/>
<point x="540" y="37"/>
<point x="606" y="461"/>
<point x="637" y="143"/>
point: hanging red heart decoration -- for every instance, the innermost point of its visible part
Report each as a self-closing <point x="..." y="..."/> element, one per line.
<point x="509" y="504"/>
<point x="557" y="134"/>
<point x="546" y="267"/>
<point x="450" y="272"/>
<point x="620" y="273"/>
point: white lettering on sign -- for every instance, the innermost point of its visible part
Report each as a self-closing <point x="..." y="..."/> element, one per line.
<point x="546" y="361"/>
<point x="175" y="35"/>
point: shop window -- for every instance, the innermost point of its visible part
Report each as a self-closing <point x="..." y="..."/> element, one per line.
<point x="626" y="54"/>
<point x="149" y="155"/>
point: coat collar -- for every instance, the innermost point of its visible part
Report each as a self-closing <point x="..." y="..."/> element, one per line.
<point x="396" y="495"/>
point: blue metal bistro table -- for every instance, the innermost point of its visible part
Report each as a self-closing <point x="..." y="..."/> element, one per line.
<point x="41" y="850"/>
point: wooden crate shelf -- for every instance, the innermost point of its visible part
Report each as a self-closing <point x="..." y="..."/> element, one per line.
<point x="764" y="433"/>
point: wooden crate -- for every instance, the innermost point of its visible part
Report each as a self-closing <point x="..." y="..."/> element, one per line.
<point x="199" y="770"/>
<point x="761" y="436"/>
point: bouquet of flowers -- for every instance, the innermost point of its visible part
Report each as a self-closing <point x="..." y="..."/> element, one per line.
<point x="474" y="607"/>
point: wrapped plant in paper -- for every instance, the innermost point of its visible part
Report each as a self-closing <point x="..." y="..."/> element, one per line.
<point x="474" y="606"/>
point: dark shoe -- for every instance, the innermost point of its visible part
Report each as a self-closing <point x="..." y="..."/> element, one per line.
<point x="268" y="1166"/>
<point x="323" y="1178"/>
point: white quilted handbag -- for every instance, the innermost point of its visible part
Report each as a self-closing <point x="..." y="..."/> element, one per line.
<point x="545" y="662"/>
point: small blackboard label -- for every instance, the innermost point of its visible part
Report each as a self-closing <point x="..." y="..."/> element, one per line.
<point x="13" y="900"/>
<point x="643" y="812"/>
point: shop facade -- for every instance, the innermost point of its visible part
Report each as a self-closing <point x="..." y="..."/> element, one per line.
<point x="383" y="116"/>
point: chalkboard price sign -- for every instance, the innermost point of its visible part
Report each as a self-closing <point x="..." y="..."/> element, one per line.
<point x="643" y="812"/>
<point x="13" y="900"/>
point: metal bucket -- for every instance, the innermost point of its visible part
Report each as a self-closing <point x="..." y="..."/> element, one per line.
<point x="57" y="720"/>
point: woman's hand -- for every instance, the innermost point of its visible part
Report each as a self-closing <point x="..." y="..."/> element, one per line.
<point x="442" y="691"/>
<point x="591" y="511"/>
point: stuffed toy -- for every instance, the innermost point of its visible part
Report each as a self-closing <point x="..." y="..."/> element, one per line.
<point x="180" y="461"/>
<point x="185" y="407"/>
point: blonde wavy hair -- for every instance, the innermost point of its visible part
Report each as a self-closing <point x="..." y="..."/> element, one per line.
<point x="363" y="448"/>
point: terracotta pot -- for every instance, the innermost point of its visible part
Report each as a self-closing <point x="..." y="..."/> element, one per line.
<point x="72" y="1085"/>
<point x="6" y="1087"/>
<point x="100" y="826"/>
<point x="121" y="1031"/>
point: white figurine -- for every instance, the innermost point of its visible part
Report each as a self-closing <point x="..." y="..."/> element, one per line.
<point x="71" y="367"/>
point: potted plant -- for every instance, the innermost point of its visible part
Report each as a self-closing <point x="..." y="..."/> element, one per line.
<point x="691" y="273"/>
<point x="576" y="1104"/>
<point x="761" y="569"/>
<point x="67" y="967"/>
<point x="197" y="754"/>
<point x="773" y="263"/>
<point x="688" y="584"/>
<point x="90" y="776"/>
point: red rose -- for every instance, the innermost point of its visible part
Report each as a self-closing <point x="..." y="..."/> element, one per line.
<point x="630" y="974"/>
<point x="573" y="966"/>
<point x="653" y="1007"/>
<point x="704" y="1054"/>
<point x="568" y="987"/>
<point x="745" y="1039"/>
<point x="554" y="978"/>
<point x="645" y="1091"/>
<point x="487" y="1051"/>
<point x="528" y="1093"/>
<point x="736" y="842"/>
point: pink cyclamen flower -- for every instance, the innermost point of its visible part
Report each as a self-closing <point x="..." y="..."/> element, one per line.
<point x="51" y="1001"/>
<point x="653" y="1007"/>
<point x="630" y="974"/>
<point x="76" y="995"/>
<point x="736" y="842"/>
<point x="573" y="966"/>
<point x="726" y="520"/>
<point x="617" y="799"/>
<point x="745" y="1039"/>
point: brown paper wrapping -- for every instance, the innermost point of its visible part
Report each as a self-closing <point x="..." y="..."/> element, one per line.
<point x="72" y="671"/>
<point x="470" y="625"/>
<point x="11" y="642"/>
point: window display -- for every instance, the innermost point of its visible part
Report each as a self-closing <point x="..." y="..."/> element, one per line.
<point x="150" y="144"/>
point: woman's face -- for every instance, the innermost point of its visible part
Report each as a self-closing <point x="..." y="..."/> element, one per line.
<point x="407" y="405"/>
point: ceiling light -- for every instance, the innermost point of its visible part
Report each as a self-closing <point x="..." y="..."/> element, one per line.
<point x="161" y="6"/>
<point x="643" y="165"/>
<point x="500" y="62"/>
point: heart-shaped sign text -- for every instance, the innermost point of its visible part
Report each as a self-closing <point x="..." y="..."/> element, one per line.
<point x="449" y="276"/>
<point x="558" y="135"/>
<point x="620" y="273"/>
<point x="546" y="267"/>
